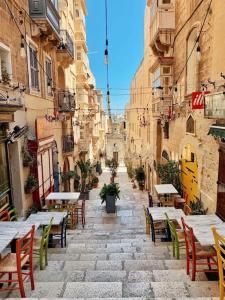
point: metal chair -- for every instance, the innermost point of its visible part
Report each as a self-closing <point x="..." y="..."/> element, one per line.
<point x="59" y="232"/>
<point x="19" y="264"/>
<point x="196" y="254"/>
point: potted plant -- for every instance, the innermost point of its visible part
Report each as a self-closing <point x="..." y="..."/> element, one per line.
<point x="197" y="208"/>
<point x="140" y="177"/>
<point x="76" y="182"/>
<point x="33" y="209"/>
<point x="85" y="170"/>
<point x="30" y="184"/>
<point x="109" y="194"/>
<point x="95" y="182"/>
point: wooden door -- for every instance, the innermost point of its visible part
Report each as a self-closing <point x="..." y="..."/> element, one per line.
<point x="115" y="156"/>
<point x="220" y="209"/>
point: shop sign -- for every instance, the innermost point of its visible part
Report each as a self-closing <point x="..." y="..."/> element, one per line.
<point x="198" y="100"/>
<point x="44" y="128"/>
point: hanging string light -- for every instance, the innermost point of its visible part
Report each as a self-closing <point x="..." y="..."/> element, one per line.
<point x="106" y="60"/>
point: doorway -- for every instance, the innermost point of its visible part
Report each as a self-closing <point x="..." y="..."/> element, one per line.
<point x="116" y="156"/>
<point x="220" y="208"/>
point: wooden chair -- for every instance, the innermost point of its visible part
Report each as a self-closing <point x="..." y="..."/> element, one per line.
<point x="80" y="207"/>
<point x="177" y="236"/>
<point x="19" y="264"/>
<point x="158" y="228"/>
<point x="196" y="254"/>
<point x="41" y="246"/>
<point x="151" y="202"/>
<point x="220" y="249"/>
<point x="59" y="232"/>
<point x="187" y="209"/>
<point x="147" y="220"/>
<point x="4" y="216"/>
<point x="12" y="214"/>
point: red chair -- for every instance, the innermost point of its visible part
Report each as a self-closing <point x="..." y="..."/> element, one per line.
<point x="80" y="208"/>
<point x="19" y="264"/>
<point x="196" y="254"/>
<point x="4" y="215"/>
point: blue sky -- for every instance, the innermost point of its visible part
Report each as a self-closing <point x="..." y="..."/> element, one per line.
<point x="126" y="27"/>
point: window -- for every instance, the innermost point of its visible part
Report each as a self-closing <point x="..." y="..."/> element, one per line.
<point x="166" y="1"/>
<point x="165" y="155"/>
<point x="34" y="72"/>
<point x="55" y="3"/>
<point x="190" y="125"/>
<point x="79" y="56"/>
<point x="192" y="65"/>
<point x="48" y="75"/>
<point x="5" y="64"/>
<point x="77" y="13"/>
<point x="166" y="130"/>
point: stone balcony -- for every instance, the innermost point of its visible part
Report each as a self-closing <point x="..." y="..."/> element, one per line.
<point x="65" y="102"/>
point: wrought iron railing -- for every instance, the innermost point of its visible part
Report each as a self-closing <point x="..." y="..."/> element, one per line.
<point x="65" y="101"/>
<point x="66" y="42"/>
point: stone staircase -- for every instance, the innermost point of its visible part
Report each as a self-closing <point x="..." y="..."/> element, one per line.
<point x="113" y="258"/>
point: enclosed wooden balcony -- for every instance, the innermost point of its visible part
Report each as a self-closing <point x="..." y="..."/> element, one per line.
<point x="162" y="27"/>
<point x="46" y="15"/>
<point x="65" y="102"/>
<point x="161" y="106"/>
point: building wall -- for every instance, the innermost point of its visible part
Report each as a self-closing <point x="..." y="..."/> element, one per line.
<point x="205" y="147"/>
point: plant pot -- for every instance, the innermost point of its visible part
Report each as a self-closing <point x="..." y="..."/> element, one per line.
<point x="29" y="190"/>
<point x="95" y="185"/>
<point x="110" y="204"/>
<point x="141" y="186"/>
<point x="84" y="195"/>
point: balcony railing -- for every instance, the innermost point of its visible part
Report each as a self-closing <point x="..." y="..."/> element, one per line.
<point x="66" y="42"/>
<point x="65" y="101"/>
<point x="68" y="143"/>
<point x="215" y="106"/>
<point x="44" y="12"/>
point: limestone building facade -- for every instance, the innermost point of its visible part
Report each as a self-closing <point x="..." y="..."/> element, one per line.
<point x="179" y="91"/>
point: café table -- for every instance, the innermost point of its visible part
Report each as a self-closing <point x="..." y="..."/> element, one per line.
<point x="196" y="221"/>
<point x="204" y="234"/>
<point x="44" y="218"/>
<point x="64" y="197"/>
<point x="21" y="227"/>
<point x="158" y="213"/>
<point x="167" y="189"/>
<point x="6" y="237"/>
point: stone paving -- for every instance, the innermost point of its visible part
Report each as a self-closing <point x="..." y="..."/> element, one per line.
<point x="113" y="258"/>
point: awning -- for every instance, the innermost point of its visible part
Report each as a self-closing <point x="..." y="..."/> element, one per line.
<point x="217" y="131"/>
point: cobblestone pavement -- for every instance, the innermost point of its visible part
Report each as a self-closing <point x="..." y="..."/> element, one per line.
<point x="114" y="258"/>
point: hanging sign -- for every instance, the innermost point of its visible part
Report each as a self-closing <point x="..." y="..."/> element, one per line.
<point x="198" y="99"/>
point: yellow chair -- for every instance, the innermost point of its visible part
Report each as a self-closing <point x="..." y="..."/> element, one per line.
<point x="220" y="249"/>
<point x="147" y="220"/>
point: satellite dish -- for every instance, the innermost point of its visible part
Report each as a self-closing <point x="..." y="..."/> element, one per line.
<point x="17" y="133"/>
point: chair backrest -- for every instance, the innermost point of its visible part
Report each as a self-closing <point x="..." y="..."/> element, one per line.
<point x="146" y="215"/>
<point x="220" y="250"/>
<point x="172" y="228"/>
<point x="45" y="235"/>
<point x="187" y="209"/>
<point x="189" y="240"/>
<point x="24" y="249"/>
<point x="4" y="215"/>
<point x="64" y="225"/>
<point x="12" y="214"/>
<point x="150" y="200"/>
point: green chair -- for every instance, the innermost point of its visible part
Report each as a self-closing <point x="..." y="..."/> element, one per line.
<point x="12" y="214"/>
<point x="177" y="236"/>
<point x="40" y="248"/>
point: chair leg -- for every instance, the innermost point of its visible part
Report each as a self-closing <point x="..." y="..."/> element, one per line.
<point x="208" y="262"/>
<point x="188" y="265"/>
<point x="41" y="259"/>
<point x="173" y="246"/>
<point x="10" y="278"/>
<point x="178" y="249"/>
<point x="193" y="269"/>
<point x="61" y="240"/>
<point x="221" y="289"/>
<point x="31" y="277"/>
<point x="46" y="255"/>
<point x="21" y="285"/>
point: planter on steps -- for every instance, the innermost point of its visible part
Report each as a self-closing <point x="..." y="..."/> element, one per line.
<point x="110" y="204"/>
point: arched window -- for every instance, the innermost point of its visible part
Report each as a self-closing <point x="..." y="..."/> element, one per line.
<point x="192" y="65"/>
<point x="190" y="125"/>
